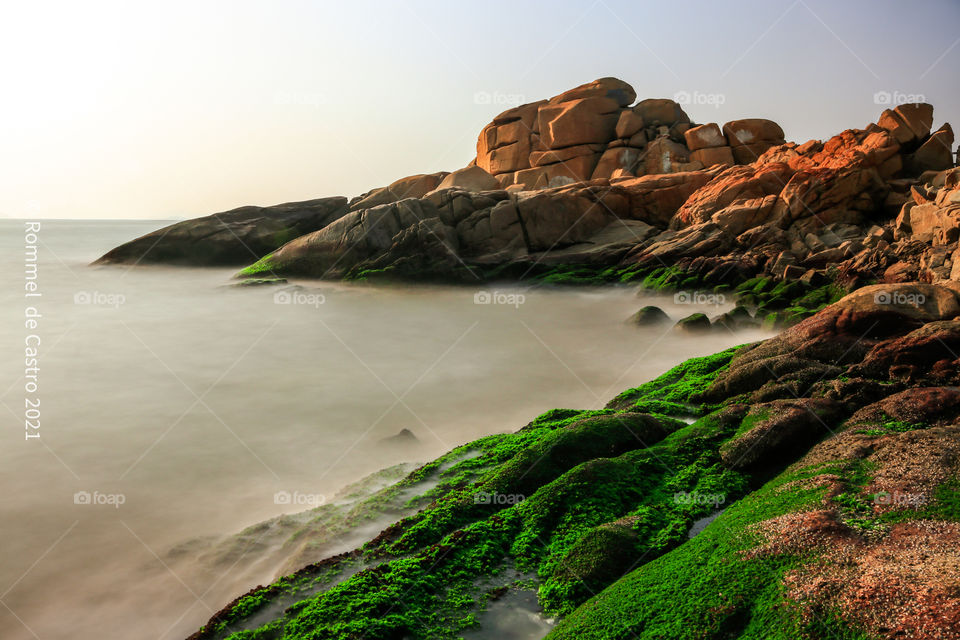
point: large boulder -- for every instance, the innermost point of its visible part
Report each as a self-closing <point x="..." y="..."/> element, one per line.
<point x="660" y="112"/>
<point x="611" y="88"/>
<point x="749" y="138"/>
<point x="704" y="136"/>
<point x="713" y="156"/>
<point x="580" y="121"/>
<point x="504" y="145"/>
<point x="235" y="237"/>
<point x="471" y="178"/>
<point x="936" y="154"/>
<point x="415" y="186"/>
<point x="908" y="122"/>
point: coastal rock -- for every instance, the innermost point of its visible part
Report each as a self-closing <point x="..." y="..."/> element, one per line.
<point x="736" y="188"/>
<point x="694" y="323"/>
<point x="649" y="315"/>
<point x="640" y="188"/>
<point x="704" y="136"/>
<point x="415" y="186"/>
<point x="470" y="178"/>
<point x="751" y="137"/>
<point x="575" y="122"/>
<point x="234" y="237"/>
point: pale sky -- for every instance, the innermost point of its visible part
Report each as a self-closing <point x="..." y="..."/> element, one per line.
<point x="169" y="109"/>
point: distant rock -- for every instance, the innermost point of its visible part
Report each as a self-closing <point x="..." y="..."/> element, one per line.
<point x="234" y="237"/>
<point x="404" y="436"/>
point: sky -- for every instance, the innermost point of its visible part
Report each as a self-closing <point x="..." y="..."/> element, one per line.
<point x="177" y="109"/>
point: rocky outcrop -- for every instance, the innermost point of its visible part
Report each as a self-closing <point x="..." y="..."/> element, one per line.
<point x="592" y="179"/>
<point x="230" y="238"/>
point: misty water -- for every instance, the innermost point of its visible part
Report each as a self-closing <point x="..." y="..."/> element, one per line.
<point x="182" y="406"/>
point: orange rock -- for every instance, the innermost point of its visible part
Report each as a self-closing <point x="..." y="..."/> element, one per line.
<point x="896" y="126"/>
<point x="656" y="198"/>
<point x="663" y="155"/>
<point x="751" y="131"/>
<point x="473" y="178"/>
<point x="732" y="188"/>
<point x="612" y="88"/>
<point x="505" y="144"/>
<point x="749" y="153"/>
<point x="581" y="121"/>
<point x="713" y="156"/>
<point x="576" y="169"/>
<point x="617" y="159"/>
<point x="506" y="159"/>
<point x="918" y="116"/>
<point x="660" y="111"/>
<point x="630" y="122"/>
<point x="936" y="154"/>
<point x="705" y="136"/>
<point x="551" y="156"/>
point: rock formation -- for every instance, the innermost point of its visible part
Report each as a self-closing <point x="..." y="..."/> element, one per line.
<point x="592" y="181"/>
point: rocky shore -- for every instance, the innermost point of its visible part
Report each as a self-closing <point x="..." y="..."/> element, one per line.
<point x="833" y="451"/>
<point x="818" y="469"/>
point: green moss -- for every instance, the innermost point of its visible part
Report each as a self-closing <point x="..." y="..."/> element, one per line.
<point x="672" y="391"/>
<point x="266" y="264"/>
<point x="707" y="588"/>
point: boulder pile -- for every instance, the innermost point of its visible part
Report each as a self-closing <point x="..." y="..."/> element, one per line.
<point x="592" y="180"/>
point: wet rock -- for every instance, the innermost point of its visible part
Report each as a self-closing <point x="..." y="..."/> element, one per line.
<point x="694" y="323"/>
<point x="649" y="315"/>
<point x="780" y="429"/>
<point x="235" y="237"/>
